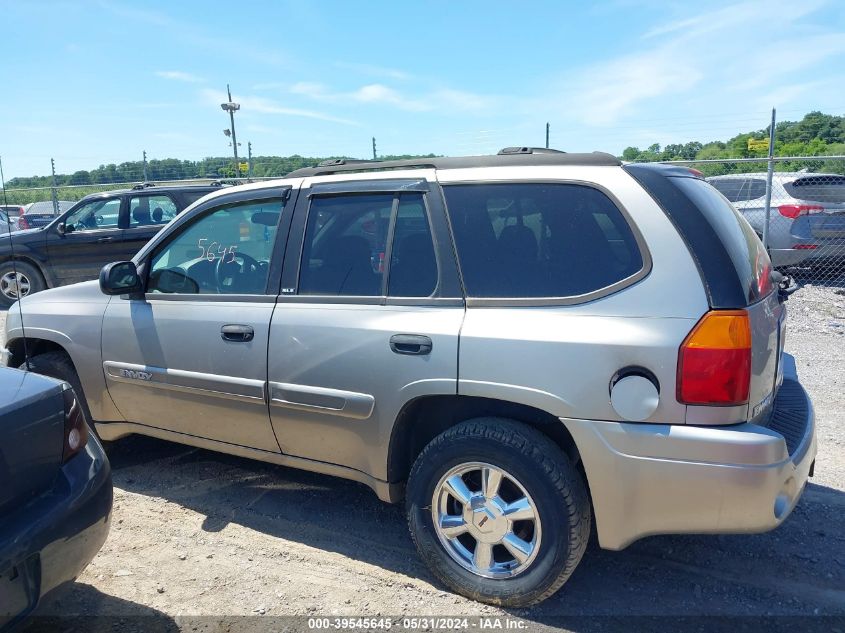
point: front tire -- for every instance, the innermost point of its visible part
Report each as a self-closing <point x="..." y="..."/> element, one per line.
<point x="29" y="281"/>
<point x="498" y="512"/>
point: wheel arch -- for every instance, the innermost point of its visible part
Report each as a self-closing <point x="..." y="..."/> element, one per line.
<point x="424" y="418"/>
<point x="19" y="348"/>
<point x="25" y="258"/>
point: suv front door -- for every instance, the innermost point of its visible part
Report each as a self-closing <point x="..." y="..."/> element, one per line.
<point x="91" y="240"/>
<point x="368" y="319"/>
<point x="191" y="356"/>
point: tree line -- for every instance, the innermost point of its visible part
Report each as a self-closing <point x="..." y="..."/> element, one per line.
<point x="817" y="134"/>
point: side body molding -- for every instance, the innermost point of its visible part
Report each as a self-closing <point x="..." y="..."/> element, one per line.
<point x="348" y="404"/>
<point x="229" y="387"/>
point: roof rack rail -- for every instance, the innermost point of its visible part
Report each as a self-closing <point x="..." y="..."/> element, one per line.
<point x="518" y="158"/>
<point x="336" y="162"/>
<point x="505" y="151"/>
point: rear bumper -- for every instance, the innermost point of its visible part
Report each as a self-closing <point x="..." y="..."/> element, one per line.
<point x="782" y="257"/>
<point x="53" y="538"/>
<point x="650" y="479"/>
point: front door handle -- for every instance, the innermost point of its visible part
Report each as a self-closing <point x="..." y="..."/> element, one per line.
<point x="237" y="333"/>
<point x="104" y="240"/>
<point x="411" y="344"/>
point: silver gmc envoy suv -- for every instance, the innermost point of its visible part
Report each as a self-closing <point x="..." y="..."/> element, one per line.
<point x="522" y="346"/>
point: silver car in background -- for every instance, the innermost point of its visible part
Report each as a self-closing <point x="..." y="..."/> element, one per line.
<point x="807" y="220"/>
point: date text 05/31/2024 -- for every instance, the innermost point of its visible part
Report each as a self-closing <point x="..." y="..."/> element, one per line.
<point x="418" y="623"/>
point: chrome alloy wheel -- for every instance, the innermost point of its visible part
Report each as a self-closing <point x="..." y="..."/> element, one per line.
<point x="12" y="290"/>
<point x="486" y="520"/>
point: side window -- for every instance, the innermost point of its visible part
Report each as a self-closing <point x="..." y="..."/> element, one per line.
<point x="345" y="238"/>
<point x="225" y="251"/>
<point x="731" y="188"/>
<point x="413" y="267"/>
<point x="756" y="188"/>
<point x="189" y="197"/>
<point x="151" y="210"/>
<point x="98" y="214"/>
<point x="539" y="240"/>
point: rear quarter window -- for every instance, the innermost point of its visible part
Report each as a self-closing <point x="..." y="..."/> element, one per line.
<point x="540" y="240"/>
<point x="741" y="243"/>
<point x="827" y="188"/>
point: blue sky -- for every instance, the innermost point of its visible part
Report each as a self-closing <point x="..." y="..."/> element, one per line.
<point x="90" y="83"/>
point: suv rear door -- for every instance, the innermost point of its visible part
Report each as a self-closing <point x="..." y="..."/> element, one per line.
<point x="146" y="215"/>
<point x="368" y="318"/>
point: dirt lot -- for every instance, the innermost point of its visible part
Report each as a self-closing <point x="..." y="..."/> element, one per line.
<point x="197" y="533"/>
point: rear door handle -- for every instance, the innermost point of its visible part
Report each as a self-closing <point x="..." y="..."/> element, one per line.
<point x="103" y="240"/>
<point x="411" y="344"/>
<point x="237" y="333"/>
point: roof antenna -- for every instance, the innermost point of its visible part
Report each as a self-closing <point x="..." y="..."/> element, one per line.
<point x="14" y="269"/>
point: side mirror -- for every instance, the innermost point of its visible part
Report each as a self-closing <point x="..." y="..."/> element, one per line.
<point x="61" y="228"/>
<point x="120" y="278"/>
<point x="173" y="281"/>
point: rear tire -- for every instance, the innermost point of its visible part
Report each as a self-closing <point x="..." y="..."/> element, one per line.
<point x="29" y="277"/>
<point x="553" y="525"/>
<point x="57" y="364"/>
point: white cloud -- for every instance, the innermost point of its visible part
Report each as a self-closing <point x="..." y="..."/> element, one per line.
<point x="178" y="75"/>
<point x="268" y="106"/>
<point x="705" y="61"/>
<point x="442" y="99"/>
<point x="376" y="71"/>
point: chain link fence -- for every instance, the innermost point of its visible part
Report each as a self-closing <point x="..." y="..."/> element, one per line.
<point x="802" y="221"/>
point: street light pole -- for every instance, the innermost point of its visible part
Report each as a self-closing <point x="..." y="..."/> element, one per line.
<point x="231" y="107"/>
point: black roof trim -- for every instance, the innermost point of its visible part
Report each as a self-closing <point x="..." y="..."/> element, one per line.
<point x="500" y="160"/>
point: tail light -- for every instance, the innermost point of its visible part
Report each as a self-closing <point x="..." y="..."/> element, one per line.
<point x="22" y="223"/>
<point x="714" y="362"/>
<point x="805" y="247"/>
<point x="76" y="428"/>
<point x="793" y="211"/>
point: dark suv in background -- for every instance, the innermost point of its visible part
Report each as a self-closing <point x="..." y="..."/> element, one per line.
<point x="98" y="229"/>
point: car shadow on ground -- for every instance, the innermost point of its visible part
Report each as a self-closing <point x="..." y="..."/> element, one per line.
<point x="798" y="569"/>
<point x="81" y="607"/>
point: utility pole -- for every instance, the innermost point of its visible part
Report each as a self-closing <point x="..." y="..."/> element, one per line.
<point x="374" y="148"/>
<point x="249" y="163"/>
<point x="145" y="165"/>
<point x="231" y="107"/>
<point x="55" y="194"/>
<point x="547" y="136"/>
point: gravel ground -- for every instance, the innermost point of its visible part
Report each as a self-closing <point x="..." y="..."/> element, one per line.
<point x="197" y="533"/>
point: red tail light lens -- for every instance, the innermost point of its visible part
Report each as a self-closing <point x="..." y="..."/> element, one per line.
<point x="22" y="223"/>
<point x="714" y="362"/>
<point x="793" y="211"/>
<point x="76" y="428"/>
<point x="805" y="247"/>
